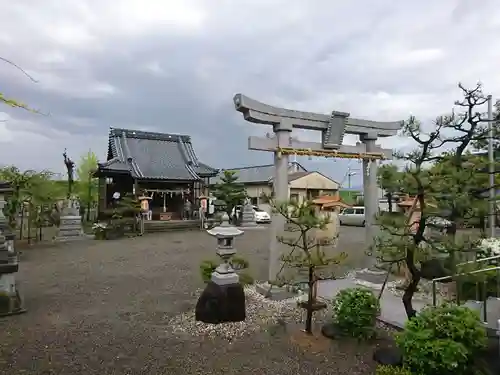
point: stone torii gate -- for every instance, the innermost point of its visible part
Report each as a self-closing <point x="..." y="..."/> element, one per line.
<point x="332" y="127"/>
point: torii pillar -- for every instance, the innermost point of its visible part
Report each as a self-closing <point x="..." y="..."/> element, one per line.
<point x="370" y="189"/>
<point x="332" y="127"/>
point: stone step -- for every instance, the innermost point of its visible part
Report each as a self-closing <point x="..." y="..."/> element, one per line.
<point x="171" y="226"/>
<point x="372" y="276"/>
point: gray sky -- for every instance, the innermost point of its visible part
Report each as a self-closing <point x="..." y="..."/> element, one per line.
<point x="174" y="66"/>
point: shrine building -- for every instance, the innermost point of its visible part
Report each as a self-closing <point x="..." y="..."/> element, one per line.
<point x="163" y="166"/>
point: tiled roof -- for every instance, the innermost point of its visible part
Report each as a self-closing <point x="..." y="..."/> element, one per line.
<point x="329" y="201"/>
<point x="260" y="174"/>
<point x="296" y="175"/>
<point x="158" y="156"/>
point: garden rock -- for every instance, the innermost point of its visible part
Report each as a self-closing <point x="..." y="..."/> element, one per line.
<point x="221" y="303"/>
<point x="388" y="357"/>
<point x="433" y="269"/>
<point x="331" y="331"/>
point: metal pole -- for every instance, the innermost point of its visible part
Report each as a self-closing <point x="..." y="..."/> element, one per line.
<point x="491" y="163"/>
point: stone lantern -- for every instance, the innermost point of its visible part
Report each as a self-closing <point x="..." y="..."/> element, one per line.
<point x="248" y="215"/>
<point x="10" y="299"/>
<point x="223" y="299"/>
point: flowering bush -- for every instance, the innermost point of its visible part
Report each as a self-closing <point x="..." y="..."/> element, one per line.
<point x="356" y="311"/>
<point x="490" y="246"/>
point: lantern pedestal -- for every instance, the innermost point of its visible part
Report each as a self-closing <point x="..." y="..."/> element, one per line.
<point x="10" y="299"/>
<point x="70" y="228"/>
<point x="221" y="304"/>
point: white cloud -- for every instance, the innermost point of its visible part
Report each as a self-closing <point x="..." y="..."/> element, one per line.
<point x="175" y="66"/>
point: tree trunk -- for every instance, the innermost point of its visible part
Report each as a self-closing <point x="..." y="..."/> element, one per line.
<point x="389" y="202"/>
<point x="412" y="285"/>
<point x="310" y="300"/>
<point x="408" y="296"/>
<point x="22" y="223"/>
<point x="482" y="225"/>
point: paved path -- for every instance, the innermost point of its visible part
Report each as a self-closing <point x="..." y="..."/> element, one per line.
<point x="392" y="310"/>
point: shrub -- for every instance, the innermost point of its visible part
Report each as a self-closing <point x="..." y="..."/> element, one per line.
<point x="356" y="311"/>
<point x="392" y="370"/>
<point x="239" y="263"/>
<point x="206" y="269"/>
<point x="442" y="340"/>
<point x="246" y="278"/>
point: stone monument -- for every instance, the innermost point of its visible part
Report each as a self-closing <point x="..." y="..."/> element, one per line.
<point x="10" y="299"/>
<point x="70" y="227"/>
<point x="223" y="299"/>
<point x="332" y="128"/>
<point x="248" y="215"/>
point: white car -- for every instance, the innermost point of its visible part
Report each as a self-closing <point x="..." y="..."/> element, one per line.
<point x="261" y="216"/>
<point x="353" y="216"/>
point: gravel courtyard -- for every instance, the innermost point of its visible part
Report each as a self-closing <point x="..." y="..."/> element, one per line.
<point x="103" y="307"/>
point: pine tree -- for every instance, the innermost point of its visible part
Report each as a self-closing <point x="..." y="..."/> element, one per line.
<point x="445" y="186"/>
<point x="304" y="220"/>
<point x="389" y="180"/>
<point x="229" y="190"/>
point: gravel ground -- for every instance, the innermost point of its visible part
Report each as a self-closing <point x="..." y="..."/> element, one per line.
<point x="124" y="307"/>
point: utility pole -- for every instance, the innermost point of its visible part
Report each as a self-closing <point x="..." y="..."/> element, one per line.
<point x="350" y="173"/>
<point x="491" y="164"/>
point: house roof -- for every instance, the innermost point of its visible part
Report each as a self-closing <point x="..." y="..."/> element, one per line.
<point x="158" y="156"/>
<point x="330" y="201"/>
<point x="263" y="174"/>
<point x="296" y="175"/>
<point x="408" y="202"/>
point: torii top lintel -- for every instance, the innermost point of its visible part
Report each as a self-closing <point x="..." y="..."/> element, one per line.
<point x="260" y="113"/>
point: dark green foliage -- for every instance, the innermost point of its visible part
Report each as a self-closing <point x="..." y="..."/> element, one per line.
<point x="239" y="263"/>
<point x="246" y="278"/>
<point x="388" y="177"/>
<point x="392" y="370"/>
<point x="127" y="207"/>
<point x="442" y="340"/>
<point x="229" y="190"/>
<point x="446" y="182"/>
<point x="206" y="269"/>
<point x="475" y="287"/>
<point x="356" y="311"/>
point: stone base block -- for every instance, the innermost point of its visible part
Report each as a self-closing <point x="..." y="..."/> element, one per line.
<point x="388" y="357"/>
<point x="221" y="304"/>
<point x="10" y="299"/>
<point x="70" y="229"/>
<point x="273" y="292"/>
<point x="225" y="278"/>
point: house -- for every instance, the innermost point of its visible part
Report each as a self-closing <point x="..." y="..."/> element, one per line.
<point x="302" y="184"/>
<point x="163" y="166"/>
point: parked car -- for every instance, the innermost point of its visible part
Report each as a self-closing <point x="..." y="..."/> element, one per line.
<point x="261" y="216"/>
<point x="438" y="222"/>
<point x="353" y="216"/>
